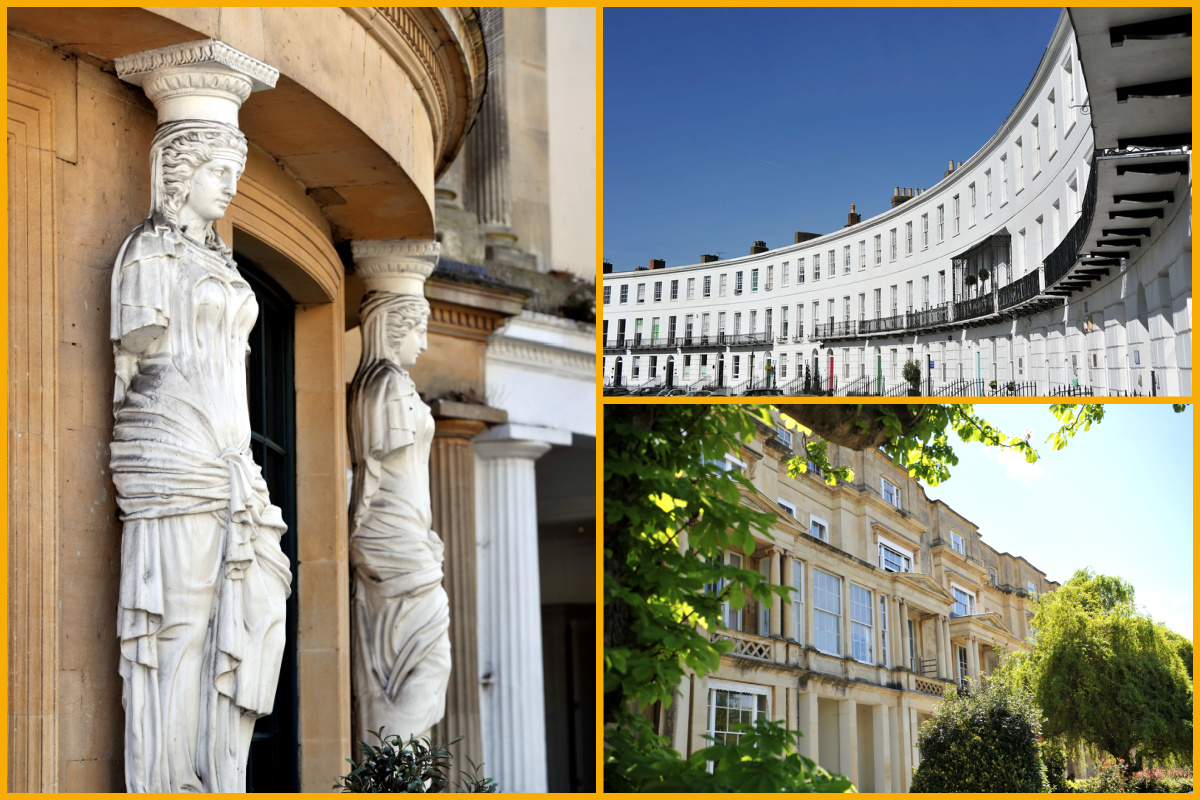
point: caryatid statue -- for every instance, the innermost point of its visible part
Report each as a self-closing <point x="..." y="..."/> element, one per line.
<point x="203" y="579"/>
<point x="400" y="612"/>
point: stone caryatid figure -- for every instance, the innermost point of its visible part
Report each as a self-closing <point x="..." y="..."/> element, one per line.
<point x="203" y="579"/>
<point x="400" y="612"/>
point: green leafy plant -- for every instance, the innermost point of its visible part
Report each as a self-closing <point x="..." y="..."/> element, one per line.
<point x="1055" y="758"/>
<point x="982" y="741"/>
<point x="968" y="280"/>
<point x="984" y="274"/>
<point x="419" y="766"/>
<point x="912" y="374"/>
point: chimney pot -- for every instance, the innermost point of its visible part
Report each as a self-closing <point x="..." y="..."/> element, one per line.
<point x="607" y="267"/>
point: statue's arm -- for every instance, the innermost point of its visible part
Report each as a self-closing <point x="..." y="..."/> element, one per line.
<point x="141" y="296"/>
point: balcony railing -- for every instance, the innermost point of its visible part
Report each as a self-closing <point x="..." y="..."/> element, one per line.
<point x="1024" y="288"/>
<point x="745" y="339"/>
<point x="1063" y="257"/>
<point x="744" y="645"/>
<point x="881" y="325"/>
<point x="974" y="307"/>
<point x="928" y="317"/>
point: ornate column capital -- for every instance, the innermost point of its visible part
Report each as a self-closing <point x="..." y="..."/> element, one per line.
<point x="399" y="266"/>
<point x="205" y="80"/>
<point x="519" y="441"/>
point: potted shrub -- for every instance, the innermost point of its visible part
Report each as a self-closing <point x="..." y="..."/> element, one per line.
<point x="984" y="275"/>
<point x="422" y="765"/>
<point x="992" y="385"/>
<point x="912" y="374"/>
<point x="968" y="280"/>
<point x="1011" y="386"/>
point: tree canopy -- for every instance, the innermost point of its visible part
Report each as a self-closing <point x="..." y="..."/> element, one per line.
<point x="1105" y="674"/>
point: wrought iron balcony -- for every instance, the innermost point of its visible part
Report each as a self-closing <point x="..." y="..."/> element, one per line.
<point x="641" y="343"/>
<point x="881" y="325"/>
<point x="928" y="317"/>
<point x="746" y="339"/>
<point x="1024" y="288"/>
<point x="974" y="307"/>
<point x="1063" y="258"/>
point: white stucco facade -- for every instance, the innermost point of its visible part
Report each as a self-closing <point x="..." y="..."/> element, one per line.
<point x="1076" y="296"/>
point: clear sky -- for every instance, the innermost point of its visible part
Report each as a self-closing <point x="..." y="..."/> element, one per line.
<point x="725" y="126"/>
<point x="1117" y="499"/>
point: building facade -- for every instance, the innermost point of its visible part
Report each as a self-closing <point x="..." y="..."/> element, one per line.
<point x="441" y="125"/>
<point x="1057" y="259"/>
<point x="897" y="597"/>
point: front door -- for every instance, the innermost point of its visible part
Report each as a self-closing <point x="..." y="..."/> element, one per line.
<point x="275" y="749"/>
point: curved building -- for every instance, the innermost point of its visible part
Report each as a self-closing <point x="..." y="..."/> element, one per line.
<point x="1056" y="260"/>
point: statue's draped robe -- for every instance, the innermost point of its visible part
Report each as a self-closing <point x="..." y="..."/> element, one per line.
<point x="204" y="582"/>
<point x="401" y="617"/>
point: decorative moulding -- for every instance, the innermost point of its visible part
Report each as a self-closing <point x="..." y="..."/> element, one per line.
<point x="395" y="265"/>
<point x="205" y="79"/>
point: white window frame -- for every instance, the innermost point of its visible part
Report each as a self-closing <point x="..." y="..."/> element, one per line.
<point x="715" y="686"/>
<point x="825" y="525"/>
<point x="960" y="663"/>
<point x="732" y="462"/>
<point x="912" y="645"/>
<point x="884" y="482"/>
<point x="764" y="611"/>
<point x="1032" y="587"/>
<point x="958" y="544"/>
<point x="862" y="631"/>
<point x="884" y="656"/>
<point x="624" y="293"/>
<point x="607" y="295"/>
<point x="731" y="618"/>
<point x="898" y="550"/>
<point x="820" y="613"/>
<point x="707" y="291"/>
<point x="798" y="600"/>
<point x="789" y="507"/>
<point x="974" y="599"/>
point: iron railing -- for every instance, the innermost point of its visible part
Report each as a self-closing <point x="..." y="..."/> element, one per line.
<point x="1014" y="389"/>
<point x="744" y="339"/>
<point x="1024" y="288"/>
<point x="1064" y="256"/>
<point x="1071" y="391"/>
<point x="928" y="317"/>
<point x="974" y="307"/>
<point x="964" y="387"/>
<point x="881" y="325"/>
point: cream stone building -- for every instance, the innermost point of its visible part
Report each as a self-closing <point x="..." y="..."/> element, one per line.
<point x="898" y="597"/>
<point x="465" y="126"/>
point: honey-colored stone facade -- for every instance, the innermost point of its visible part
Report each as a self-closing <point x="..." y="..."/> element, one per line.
<point x="859" y="708"/>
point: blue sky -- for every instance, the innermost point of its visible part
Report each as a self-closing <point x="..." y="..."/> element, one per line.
<point x="725" y="126"/>
<point x="1117" y="499"/>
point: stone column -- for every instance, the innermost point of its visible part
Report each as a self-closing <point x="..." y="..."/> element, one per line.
<point x="848" y="739"/>
<point x="940" y="643"/>
<point x="948" y="645"/>
<point x="809" y="725"/>
<point x="895" y="726"/>
<point x="973" y="657"/>
<point x="899" y="634"/>
<point x="452" y="492"/>
<point x="904" y="746"/>
<point x="788" y="612"/>
<point x="809" y="634"/>
<point x="883" y="749"/>
<point x="510" y="630"/>
<point x="914" y="751"/>
<point x="776" y="618"/>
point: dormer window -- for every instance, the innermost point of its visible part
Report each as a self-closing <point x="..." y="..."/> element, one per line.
<point x="782" y="433"/>
<point x="958" y="543"/>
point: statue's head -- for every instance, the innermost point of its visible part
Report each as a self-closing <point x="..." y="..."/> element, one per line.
<point x="394" y="327"/>
<point x="196" y="166"/>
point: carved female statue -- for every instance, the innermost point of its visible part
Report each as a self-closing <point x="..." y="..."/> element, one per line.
<point x="401" y="616"/>
<point x="203" y="579"/>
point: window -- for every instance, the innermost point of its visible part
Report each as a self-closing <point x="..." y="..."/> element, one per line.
<point x="892" y="243"/>
<point x="737" y="365"/>
<point x="878" y="249"/>
<point x="641" y="292"/>
<point x="783" y="357"/>
<point x="816" y="266"/>
<point x="708" y="285"/>
<point x="687" y="367"/>
<point x="890" y="492"/>
<point x="620" y="333"/>
<point x="798" y="600"/>
<point x="1019" y="163"/>
<point x="784" y="269"/>
<point x="817" y="527"/>
<point x="846" y="260"/>
<point x="732" y="705"/>
<point x="941" y="287"/>
<point x="691" y="289"/>
<point x="895" y="299"/>
<point x="788" y="507"/>
<point x="704" y="325"/>
<point x="957" y="210"/>
<point x="878" y="303"/>
<point x="1053" y="139"/>
<point x="971" y="201"/>
<point x="892" y="560"/>
<point x="607" y="294"/>
<point x="783" y="326"/>
<point x="737" y="283"/>
<point x="654" y="328"/>
<point x="964" y="601"/>
<point x="827" y="612"/>
<point x="994" y="576"/>
<point x="987" y="196"/>
<point x="912" y="646"/>
<point x="1032" y="588"/>
<point x="721" y="323"/>
<point x="722" y="280"/>
<point x="1068" y="83"/>
<point x="800" y="271"/>
<point x="675" y="290"/>
<point x="908" y="296"/>
<point x="908" y="237"/>
<point x="737" y="322"/>
<point x="883" y="632"/>
<point x="764" y="611"/>
<point x="862" y="307"/>
<point x="862" y="255"/>
<point x="1003" y="179"/>
<point x="671" y="330"/>
<point x="754" y="280"/>
<point x="925" y="290"/>
<point x="799" y="324"/>
<point x="625" y="293"/>
<point x="957" y="542"/>
<point x="1037" y="147"/>
<point x="925" y="231"/>
<point x="653" y="366"/>
<point x="753" y="321"/>
<point x="962" y="664"/>
<point x="658" y="291"/>
<point x="832" y="263"/>
<point x="637" y="367"/>
<point x="770" y="277"/>
<point x="862" y="632"/>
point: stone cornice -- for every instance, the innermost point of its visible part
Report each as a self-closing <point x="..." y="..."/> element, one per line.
<point x="135" y="68"/>
<point x="543" y="358"/>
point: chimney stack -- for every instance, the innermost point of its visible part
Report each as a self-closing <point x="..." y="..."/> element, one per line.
<point x="758" y="247"/>
<point x="657" y="263"/>
<point x="708" y="258"/>
<point x="852" y="218"/>
<point x="803" y="236"/>
<point x="607" y="267"/>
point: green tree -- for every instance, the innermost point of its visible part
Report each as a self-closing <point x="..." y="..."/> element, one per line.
<point x="984" y="740"/>
<point x="1107" y="675"/>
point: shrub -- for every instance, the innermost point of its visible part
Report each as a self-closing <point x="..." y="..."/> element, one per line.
<point x="420" y="766"/>
<point x="1112" y="777"/>
<point x="982" y="741"/>
<point x="1055" y="759"/>
<point x="912" y="373"/>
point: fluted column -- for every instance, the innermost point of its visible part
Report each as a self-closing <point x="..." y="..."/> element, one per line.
<point x="949" y="646"/>
<point x="510" y="628"/>
<point x="787" y="613"/>
<point x="452" y="494"/>
<point x="490" y="191"/>
<point x="940" y="645"/>
<point x="775" y="622"/>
